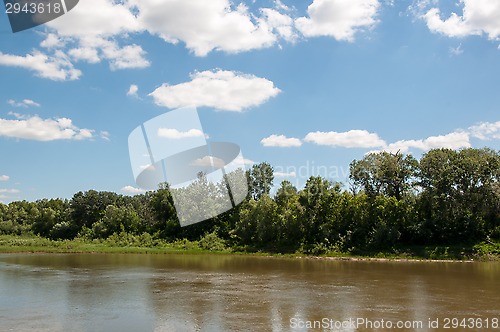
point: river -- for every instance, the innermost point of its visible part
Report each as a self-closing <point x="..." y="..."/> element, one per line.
<point x="141" y="292"/>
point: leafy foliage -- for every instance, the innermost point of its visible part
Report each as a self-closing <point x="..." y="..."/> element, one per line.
<point x="447" y="198"/>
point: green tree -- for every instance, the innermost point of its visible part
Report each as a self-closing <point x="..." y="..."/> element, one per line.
<point x="88" y="207"/>
<point x="459" y="200"/>
<point x="315" y="201"/>
<point x="258" y="224"/>
<point x="291" y="222"/>
<point x="116" y="220"/>
<point x="260" y="180"/>
<point x="165" y="216"/>
<point x="20" y="216"/>
<point x="391" y="174"/>
<point x="51" y="213"/>
<point x="285" y="192"/>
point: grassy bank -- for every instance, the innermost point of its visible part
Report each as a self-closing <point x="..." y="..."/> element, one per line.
<point x="124" y="243"/>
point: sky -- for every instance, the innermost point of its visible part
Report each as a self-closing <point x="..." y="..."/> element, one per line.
<point x="307" y="86"/>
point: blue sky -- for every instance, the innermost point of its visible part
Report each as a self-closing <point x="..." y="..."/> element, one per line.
<point x="307" y="86"/>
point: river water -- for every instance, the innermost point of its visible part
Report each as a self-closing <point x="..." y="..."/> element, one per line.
<point x="137" y="292"/>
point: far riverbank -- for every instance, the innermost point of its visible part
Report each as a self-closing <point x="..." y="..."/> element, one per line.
<point x="33" y="244"/>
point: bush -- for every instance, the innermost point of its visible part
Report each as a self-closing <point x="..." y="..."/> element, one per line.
<point x="9" y="227"/>
<point x="211" y="241"/>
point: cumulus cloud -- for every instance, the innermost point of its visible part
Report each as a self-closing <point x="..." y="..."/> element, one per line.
<point x="132" y="190"/>
<point x="280" y="141"/>
<point x="87" y="54"/>
<point x="53" y="41"/>
<point x="38" y="129"/>
<point x="90" y="35"/>
<point x="454" y="141"/>
<point x="4" y="178"/>
<point x="240" y="162"/>
<point x="458" y="139"/>
<point x="172" y="133"/>
<point x="478" y="17"/>
<point x="23" y="103"/>
<point x="93" y="49"/>
<point x="281" y="23"/>
<point x="99" y="30"/>
<point x="220" y="89"/>
<point x="340" y="19"/>
<point x="97" y="18"/>
<point x="56" y="67"/>
<point x="205" y="26"/>
<point x="486" y="130"/>
<point x="132" y="90"/>
<point x="209" y="161"/>
<point x="349" y="139"/>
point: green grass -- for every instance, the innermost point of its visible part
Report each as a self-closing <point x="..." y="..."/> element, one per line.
<point x="126" y="243"/>
<point x="13" y="244"/>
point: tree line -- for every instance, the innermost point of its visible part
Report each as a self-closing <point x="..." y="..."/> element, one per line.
<point x="447" y="197"/>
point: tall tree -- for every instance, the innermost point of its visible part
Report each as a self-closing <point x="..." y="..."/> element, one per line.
<point x="285" y="192"/>
<point x="391" y="174"/>
<point x="260" y="180"/>
<point x="163" y="209"/>
<point x="459" y="199"/>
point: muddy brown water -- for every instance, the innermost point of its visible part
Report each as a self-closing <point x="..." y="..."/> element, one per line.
<point x="137" y="292"/>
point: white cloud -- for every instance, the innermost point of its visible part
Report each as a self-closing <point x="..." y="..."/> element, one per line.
<point x="281" y="141"/>
<point x="4" y="178"/>
<point x="93" y="49"/>
<point x="53" y="41"/>
<point x="280" y="5"/>
<point x="283" y="24"/>
<point x="176" y="134"/>
<point x="240" y="162"/>
<point x="204" y="25"/>
<point x="209" y="161"/>
<point x="57" y="67"/>
<point x="38" y="129"/>
<point x="486" y="130"/>
<point x="9" y="191"/>
<point x="340" y="19"/>
<point x="126" y="57"/>
<point x="92" y="35"/>
<point x="285" y="174"/>
<point x="98" y="30"/>
<point x="220" y="89"/>
<point x="132" y="190"/>
<point x="478" y="17"/>
<point x="132" y="90"/>
<point x="86" y="54"/>
<point x="97" y="18"/>
<point x="23" y="103"/>
<point x="454" y="141"/>
<point x="349" y="139"/>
